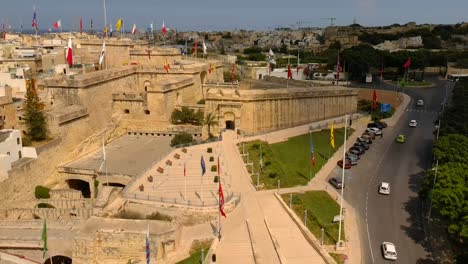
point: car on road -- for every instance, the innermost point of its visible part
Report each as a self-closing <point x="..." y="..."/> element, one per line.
<point x="420" y="102"/>
<point x="384" y="188"/>
<point x="365" y="140"/>
<point x="389" y="251"/>
<point x="375" y="130"/>
<point x="336" y="182"/>
<point x="362" y="144"/>
<point x="359" y="151"/>
<point x="413" y="123"/>
<point x="400" y="138"/>
<point x="347" y="164"/>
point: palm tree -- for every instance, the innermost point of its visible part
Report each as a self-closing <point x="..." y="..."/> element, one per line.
<point x="210" y="120"/>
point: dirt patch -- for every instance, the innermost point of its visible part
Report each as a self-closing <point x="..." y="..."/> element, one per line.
<point x="383" y="96"/>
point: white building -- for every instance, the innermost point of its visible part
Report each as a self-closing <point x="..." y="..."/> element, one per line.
<point x="11" y="150"/>
<point x="15" y="78"/>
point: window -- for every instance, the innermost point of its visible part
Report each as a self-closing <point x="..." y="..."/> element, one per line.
<point x="17" y="141"/>
<point x="19" y="154"/>
<point x="147" y="112"/>
<point x="19" y="117"/>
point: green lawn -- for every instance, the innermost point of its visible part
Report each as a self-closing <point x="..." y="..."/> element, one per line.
<point x="321" y="208"/>
<point x="338" y="258"/>
<point x="195" y="252"/>
<point x="195" y="258"/>
<point x="290" y="161"/>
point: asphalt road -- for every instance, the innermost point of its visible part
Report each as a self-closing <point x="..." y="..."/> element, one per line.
<point x="398" y="217"/>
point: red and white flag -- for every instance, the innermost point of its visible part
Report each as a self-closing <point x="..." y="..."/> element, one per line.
<point x="58" y="24"/>
<point x="374" y="100"/>
<point x="221" y="200"/>
<point x="407" y="63"/>
<point x="163" y="29"/>
<point x="70" y="52"/>
<point x="134" y="29"/>
<point x="289" y="72"/>
<point x="195" y="47"/>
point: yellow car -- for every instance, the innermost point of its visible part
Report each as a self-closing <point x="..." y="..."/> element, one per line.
<point x="400" y="138"/>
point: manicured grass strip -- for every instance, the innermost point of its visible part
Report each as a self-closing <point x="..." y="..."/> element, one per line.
<point x="339" y="258"/>
<point x="290" y="161"/>
<point x="195" y="252"/>
<point x="321" y="208"/>
<point x="195" y="258"/>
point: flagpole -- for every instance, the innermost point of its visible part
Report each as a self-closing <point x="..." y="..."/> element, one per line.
<point x="219" y="202"/>
<point x="185" y="183"/>
<point x="105" y="19"/>
<point x="310" y="141"/>
<point x="342" y="182"/>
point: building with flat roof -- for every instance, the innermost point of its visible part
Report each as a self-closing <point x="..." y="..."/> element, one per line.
<point x="10" y="150"/>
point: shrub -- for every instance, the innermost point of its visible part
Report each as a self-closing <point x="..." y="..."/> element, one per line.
<point x="201" y="101"/>
<point x="44" y="205"/>
<point x="182" y="138"/>
<point x="211" y="158"/>
<point x="128" y="215"/>
<point x="209" y="150"/>
<point x="41" y="192"/>
<point x="159" y="216"/>
<point x="214" y="167"/>
<point x="216" y="179"/>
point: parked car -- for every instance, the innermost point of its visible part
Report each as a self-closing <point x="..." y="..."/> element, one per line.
<point x="336" y="182"/>
<point x="352" y="156"/>
<point x="384" y="188"/>
<point x="365" y="140"/>
<point x="360" y="151"/>
<point x="354" y="152"/>
<point x="400" y="138"/>
<point x="420" y="102"/>
<point x="413" y="123"/>
<point x="375" y="130"/>
<point x="353" y="159"/>
<point x="363" y="150"/>
<point x="362" y="144"/>
<point x="381" y="124"/>
<point x="371" y="125"/>
<point x="389" y="251"/>
<point x="368" y="135"/>
<point x="347" y="164"/>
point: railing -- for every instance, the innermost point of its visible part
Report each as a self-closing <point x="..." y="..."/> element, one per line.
<point x="234" y="197"/>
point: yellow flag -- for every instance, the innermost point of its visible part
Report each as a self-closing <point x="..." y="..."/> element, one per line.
<point x="332" y="137"/>
<point x="118" y="25"/>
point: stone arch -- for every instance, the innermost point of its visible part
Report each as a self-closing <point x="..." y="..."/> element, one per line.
<point x="58" y="259"/>
<point x="230" y="120"/>
<point x="203" y="76"/>
<point x="80" y="185"/>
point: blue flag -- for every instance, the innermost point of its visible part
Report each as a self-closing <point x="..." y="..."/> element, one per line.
<point x="203" y="168"/>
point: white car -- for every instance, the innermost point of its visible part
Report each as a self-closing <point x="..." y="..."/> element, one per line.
<point x="420" y="103"/>
<point x="375" y="130"/>
<point x="413" y="123"/>
<point x="389" y="251"/>
<point x="384" y="188"/>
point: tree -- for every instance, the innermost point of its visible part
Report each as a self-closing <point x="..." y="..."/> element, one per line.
<point x="34" y="117"/>
<point x="182" y="138"/>
<point x="210" y="120"/>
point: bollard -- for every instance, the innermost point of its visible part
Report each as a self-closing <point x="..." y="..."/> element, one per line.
<point x="278" y="186"/>
<point x="323" y="233"/>
<point x="202" y="257"/>
<point x="305" y="218"/>
<point x="290" y="200"/>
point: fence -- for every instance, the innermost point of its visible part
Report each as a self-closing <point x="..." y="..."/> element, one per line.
<point x="232" y="197"/>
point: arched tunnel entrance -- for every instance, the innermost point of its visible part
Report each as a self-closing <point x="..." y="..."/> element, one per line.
<point x="80" y="185"/>
<point x="59" y="260"/>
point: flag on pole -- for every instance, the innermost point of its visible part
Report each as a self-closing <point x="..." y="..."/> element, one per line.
<point x="204" y="47"/>
<point x="147" y="246"/>
<point x="203" y="167"/>
<point x="374" y="100"/>
<point x="118" y="25"/>
<point x="70" y="52"/>
<point x="312" y="153"/>
<point x="289" y="72"/>
<point x="81" y="25"/>
<point x="44" y="239"/>
<point x="34" y="21"/>
<point x="134" y="29"/>
<point x="163" y="29"/>
<point x="3" y="32"/>
<point x="221" y="199"/>
<point x="332" y="137"/>
<point x="338" y="67"/>
<point x="407" y="63"/>
<point x="58" y="24"/>
<point x="185" y="48"/>
<point x="195" y="46"/>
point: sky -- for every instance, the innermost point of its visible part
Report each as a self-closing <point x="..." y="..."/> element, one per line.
<point x="209" y="15"/>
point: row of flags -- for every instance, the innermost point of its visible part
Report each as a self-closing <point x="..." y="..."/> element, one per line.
<point x="220" y="188"/>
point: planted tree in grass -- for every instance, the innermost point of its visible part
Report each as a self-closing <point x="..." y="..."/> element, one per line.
<point x="34" y="117"/>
